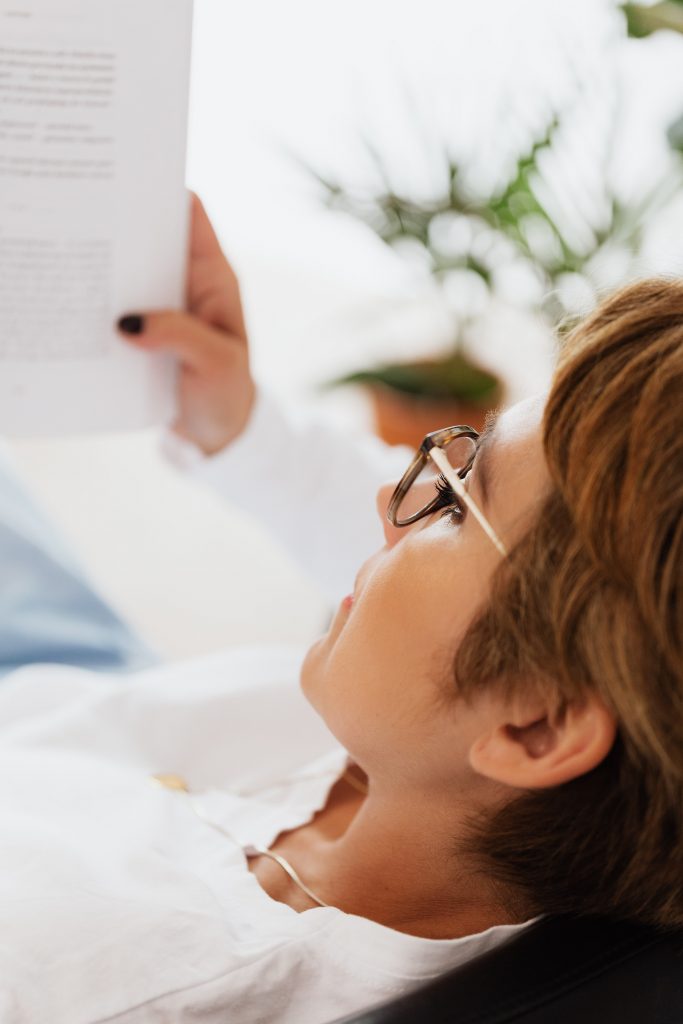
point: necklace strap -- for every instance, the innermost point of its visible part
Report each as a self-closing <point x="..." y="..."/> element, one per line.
<point x="355" y="783"/>
<point x="178" y="784"/>
<point x="287" y="867"/>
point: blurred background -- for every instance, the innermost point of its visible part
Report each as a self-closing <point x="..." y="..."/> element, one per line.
<point x="419" y="198"/>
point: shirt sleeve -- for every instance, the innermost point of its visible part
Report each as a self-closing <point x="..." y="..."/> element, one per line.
<point x="310" y="484"/>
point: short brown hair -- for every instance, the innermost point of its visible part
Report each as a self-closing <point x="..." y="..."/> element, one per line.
<point x="591" y="599"/>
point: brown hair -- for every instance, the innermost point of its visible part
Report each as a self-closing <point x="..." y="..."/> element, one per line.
<point x="591" y="599"/>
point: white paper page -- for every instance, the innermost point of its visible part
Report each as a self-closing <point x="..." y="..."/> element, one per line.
<point x="93" y="208"/>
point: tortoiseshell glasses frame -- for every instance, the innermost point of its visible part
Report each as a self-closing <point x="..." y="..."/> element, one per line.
<point x="433" y="449"/>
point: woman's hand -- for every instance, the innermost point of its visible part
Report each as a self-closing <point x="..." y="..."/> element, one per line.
<point x="216" y="391"/>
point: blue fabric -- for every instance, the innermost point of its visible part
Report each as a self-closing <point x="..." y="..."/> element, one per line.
<point x="49" y="611"/>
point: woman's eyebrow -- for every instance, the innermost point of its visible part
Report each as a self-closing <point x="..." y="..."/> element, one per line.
<point x="483" y="460"/>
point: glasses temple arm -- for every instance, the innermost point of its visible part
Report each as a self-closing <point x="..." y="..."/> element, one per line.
<point x="440" y="460"/>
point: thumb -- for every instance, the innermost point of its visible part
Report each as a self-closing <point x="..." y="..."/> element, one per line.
<point x="195" y="342"/>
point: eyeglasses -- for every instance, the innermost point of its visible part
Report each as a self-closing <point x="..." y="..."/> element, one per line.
<point x="421" y="491"/>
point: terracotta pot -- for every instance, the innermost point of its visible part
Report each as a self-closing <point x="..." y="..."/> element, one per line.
<point x="401" y="418"/>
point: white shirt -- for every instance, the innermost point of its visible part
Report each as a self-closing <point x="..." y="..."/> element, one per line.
<point x="118" y="902"/>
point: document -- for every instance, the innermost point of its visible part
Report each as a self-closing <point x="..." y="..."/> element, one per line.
<point x="94" y="214"/>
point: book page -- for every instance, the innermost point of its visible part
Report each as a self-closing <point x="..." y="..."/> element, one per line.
<point x="93" y="208"/>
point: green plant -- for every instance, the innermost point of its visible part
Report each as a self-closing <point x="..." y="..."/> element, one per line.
<point x="644" y="19"/>
<point x="452" y="376"/>
<point x="512" y="226"/>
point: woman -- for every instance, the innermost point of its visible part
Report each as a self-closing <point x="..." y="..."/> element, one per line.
<point x="502" y="691"/>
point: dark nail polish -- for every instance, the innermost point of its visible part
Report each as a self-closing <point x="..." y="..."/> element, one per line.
<point x="132" y="324"/>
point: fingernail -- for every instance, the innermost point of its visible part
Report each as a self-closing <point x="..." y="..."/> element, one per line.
<point x="132" y="324"/>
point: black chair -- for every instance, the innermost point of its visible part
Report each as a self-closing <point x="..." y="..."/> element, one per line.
<point x="558" y="971"/>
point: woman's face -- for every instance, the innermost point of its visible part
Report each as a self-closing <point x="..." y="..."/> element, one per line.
<point x="381" y="677"/>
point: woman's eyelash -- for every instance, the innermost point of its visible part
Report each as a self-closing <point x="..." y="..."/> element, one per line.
<point x="448" y="501"/>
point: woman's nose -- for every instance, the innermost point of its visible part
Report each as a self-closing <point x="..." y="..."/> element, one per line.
<point x="392" y="534"/>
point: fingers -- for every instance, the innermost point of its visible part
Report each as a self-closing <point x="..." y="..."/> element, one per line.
<point x="203" y="240"/>
<point x="194" y="342"/>
<point x="212" y="288"/>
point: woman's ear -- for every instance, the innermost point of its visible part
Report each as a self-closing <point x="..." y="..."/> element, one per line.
<point x="536" y="747"/>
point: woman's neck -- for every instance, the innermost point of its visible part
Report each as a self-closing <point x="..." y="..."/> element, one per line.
<point x="396" y="862"/>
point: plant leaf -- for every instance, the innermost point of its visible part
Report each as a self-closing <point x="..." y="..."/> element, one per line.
<point x="642" y="20"/>
<point x="455" y="376"/>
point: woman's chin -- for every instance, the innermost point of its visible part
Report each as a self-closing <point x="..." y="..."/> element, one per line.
<point x="319" y="651"/>
<point x="310" y="663"/>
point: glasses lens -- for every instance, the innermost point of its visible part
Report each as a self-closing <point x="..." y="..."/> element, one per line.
<point x="459" y="454"/>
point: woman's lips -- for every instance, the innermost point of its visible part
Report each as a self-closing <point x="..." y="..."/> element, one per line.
<point x="350" y="599"/>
